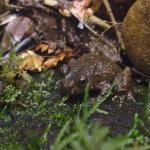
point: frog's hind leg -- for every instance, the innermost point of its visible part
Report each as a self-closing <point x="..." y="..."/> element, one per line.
<point x="103" y="87"/>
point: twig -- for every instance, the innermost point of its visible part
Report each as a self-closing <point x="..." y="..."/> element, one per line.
<point x="6" y="18"/>
<point x="111" y="26"/>
<point x="101" y="38"/>
<point x="4" y="14"/>
<point x="7" y="3"/>
<point x="99" y="22"/>
<point x="94" y="32"/>
<point x="136" y="71"/>
<point x="118" y="34"/>
<point x="93" y="19"/>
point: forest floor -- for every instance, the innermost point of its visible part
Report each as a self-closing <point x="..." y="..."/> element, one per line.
<point x="37" y="112"/>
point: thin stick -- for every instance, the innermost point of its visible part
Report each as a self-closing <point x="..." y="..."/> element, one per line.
<point x="99" y="22"/>
<point x="102" y="34"/>
<point x="118" y="34"/>
<point x="12" y="5"/>
<point x="136" y="71"/>
<point x="6" y="18"/>
<point x="94" y="32"/>
<point x="100" y="37"/>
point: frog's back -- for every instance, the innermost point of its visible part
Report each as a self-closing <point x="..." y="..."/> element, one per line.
<point x="96" y="65"/>
<point x="95" y="69"/>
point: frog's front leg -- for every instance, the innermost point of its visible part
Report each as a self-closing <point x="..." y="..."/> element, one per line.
<point x="123" y="81"/>
<point x="123" y="86"/>
<point x="103" y="86"/>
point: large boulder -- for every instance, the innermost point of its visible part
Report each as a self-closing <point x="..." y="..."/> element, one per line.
<point x="136" y="35"/>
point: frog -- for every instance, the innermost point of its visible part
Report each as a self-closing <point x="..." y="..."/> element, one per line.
<point x="98" y="71"/>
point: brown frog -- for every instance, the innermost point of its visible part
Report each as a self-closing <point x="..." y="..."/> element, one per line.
<point x="97" y="70"/>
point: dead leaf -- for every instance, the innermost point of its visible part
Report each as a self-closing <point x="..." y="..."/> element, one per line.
<point x="43" y="48"/>
<point x="54" y="60"/>
<point x="34" y="62"/>
<point x="31" y="61"/>
<point x="69" y="52"/>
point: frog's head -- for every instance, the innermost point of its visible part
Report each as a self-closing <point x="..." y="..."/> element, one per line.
<point x="74" y="81"/>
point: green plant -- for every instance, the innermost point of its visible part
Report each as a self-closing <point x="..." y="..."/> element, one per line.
<point x="34" y="104"/>
<point x="80" y="134"/>
<point x="10" y="68"/>
<point x="147" y="112"/>
<point x="10" y="63"/>
<point x="31" y="105"/>
<point x="147" y="104"/>
<point x="9" y="94"/>
<point x="135" y="132"/>
<point x="140" y="131"/>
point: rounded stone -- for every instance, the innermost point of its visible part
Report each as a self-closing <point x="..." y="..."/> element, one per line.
<point x="136" y="35"/>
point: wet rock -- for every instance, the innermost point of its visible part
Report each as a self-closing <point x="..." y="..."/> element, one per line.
<point x="136" y="34"/>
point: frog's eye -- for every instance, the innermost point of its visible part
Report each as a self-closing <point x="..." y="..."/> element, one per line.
<point x="65" y="69"/>
<point x="82" y="81"/>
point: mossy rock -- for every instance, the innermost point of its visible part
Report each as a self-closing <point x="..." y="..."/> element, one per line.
<point x="136" y="35"/>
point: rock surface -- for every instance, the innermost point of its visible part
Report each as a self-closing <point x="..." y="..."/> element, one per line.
<point x="136" y="34"/>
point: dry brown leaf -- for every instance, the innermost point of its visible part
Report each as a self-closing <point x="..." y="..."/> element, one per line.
<point x="54" y="60"/>
<point x="41" y="47"/>
<point x="34" y="62"/>
<point x="69" y="52"/>
<point x="44" y="48"/>
<point x="31" y="61"/>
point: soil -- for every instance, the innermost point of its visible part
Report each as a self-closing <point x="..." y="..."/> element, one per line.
<point x="119" y="119"/>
